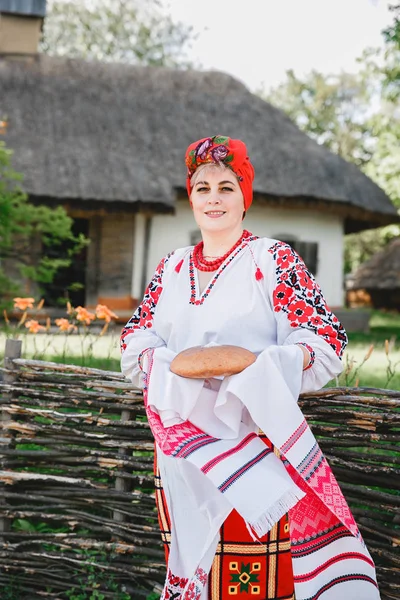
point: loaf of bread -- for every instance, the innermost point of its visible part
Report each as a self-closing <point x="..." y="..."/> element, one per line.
<point x="215" y="361"/>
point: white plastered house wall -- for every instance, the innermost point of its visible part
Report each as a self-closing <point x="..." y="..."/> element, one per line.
<point x="174" y="231"/>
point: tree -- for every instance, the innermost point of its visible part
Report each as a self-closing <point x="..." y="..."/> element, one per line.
<point x="384" y="166"/>
<point x="332" y="109"/>
<point x="358" y="117"/>
<point x="392" y="55"/>
<point x="27" y="233"/>
<point x="384" y="169"/>
<point x="130" y="31"/>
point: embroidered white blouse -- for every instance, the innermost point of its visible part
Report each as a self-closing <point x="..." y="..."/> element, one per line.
<point x="262" y="295"/>
<point x="262" y="298"/>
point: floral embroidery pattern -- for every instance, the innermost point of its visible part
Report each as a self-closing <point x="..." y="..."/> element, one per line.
<point x="210" y="286"/>
<point x="175" y="586"/>
<point x="142" y="318"/>
<point x="299" y="296"/>
<point x="211" y="150"/>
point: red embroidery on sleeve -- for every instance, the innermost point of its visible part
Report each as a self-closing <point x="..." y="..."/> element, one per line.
<point x="299" y="296"/>
<point x="142" y="318"/>
<point x="312" y="355"/>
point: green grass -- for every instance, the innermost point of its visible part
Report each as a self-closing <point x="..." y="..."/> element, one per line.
<point x="383" y="326"/>
<point x="103" y="352"/>
<point x="375" y="372"/>
<point x="95" y="362"/>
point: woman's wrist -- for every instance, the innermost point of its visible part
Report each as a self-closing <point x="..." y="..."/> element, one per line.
<point x="142" y="356"/>
<point x="308" y="355"/>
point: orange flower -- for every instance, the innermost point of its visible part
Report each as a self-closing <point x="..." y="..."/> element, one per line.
<point x="82" y="314"/>
<point x="65" y="325"/>
<point x="33" y="326"/>
<point x="70" y="308"/>
<point x="23" y="303"/>
<point x="103" y="312"/>
<point x="3" y="127"/>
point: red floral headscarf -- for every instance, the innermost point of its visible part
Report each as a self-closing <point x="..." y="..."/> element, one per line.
<point x="229" y="152"/>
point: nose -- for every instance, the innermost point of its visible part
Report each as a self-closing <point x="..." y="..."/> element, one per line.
<point x="214" y="198"/>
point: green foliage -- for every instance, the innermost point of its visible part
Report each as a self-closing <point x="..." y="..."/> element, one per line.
<point x="29" y="527"/>
<point x="392" y="55"/>
<point x="27" y="233"/>
<point x="384" y="168"/>
<point x="128" y="31"/>
<point x="95" y="579"/>
<point x="359" y="247"/>
<point x="332" y="109"/>
<point x="351" y="115"/>
<point x="12" y="590"/>
<point x="87" y="584"/>
<point x="358" y="117"/>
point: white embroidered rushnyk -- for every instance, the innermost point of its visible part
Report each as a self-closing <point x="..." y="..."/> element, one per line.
<point x="262" y="495"/>
<point x="201" y="480"/>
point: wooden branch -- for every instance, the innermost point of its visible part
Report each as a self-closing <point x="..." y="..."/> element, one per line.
<point x="62" y="368"/>
<point x="12" y="351"/>
<point x="346" y="391"/>
<point x="10" y="477"/>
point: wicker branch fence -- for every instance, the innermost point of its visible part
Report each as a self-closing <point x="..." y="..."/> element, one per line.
<point x="76" y="486"/>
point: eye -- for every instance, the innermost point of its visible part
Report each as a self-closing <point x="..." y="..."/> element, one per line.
<point x="227" y="188"/>
<point x="202" y="188"/>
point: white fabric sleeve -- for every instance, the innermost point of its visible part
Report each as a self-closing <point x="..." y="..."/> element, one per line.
<point x="139" y="335"/>
<point x="303" y="317"/>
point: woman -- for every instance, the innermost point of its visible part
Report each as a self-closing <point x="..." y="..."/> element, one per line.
<point x="242" y="513"/>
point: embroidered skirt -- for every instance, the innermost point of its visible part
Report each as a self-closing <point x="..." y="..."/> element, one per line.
<point x="243" y="569"/>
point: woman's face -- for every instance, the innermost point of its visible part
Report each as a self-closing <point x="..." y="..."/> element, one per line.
<point x="217" y="200"/>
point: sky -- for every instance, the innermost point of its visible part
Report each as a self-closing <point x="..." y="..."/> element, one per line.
<point x="257" y="41"/>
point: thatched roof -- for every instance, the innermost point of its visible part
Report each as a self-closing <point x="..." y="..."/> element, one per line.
<point x="117" y="133"/>
<point x="382" y="271"/>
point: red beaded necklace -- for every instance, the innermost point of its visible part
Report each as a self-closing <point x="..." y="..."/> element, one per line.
<point x="213" y="265"/>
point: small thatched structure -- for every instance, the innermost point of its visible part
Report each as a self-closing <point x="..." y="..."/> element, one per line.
<point x="380" y="277"/>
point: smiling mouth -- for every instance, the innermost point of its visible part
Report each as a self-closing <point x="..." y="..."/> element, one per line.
<point x="215" y="213"/>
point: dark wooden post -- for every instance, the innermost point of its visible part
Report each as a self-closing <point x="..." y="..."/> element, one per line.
<point x="121" y="484"/>
<point x="13" y="350"/>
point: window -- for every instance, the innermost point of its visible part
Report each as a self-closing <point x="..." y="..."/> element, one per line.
<point x="309" y="253"/>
